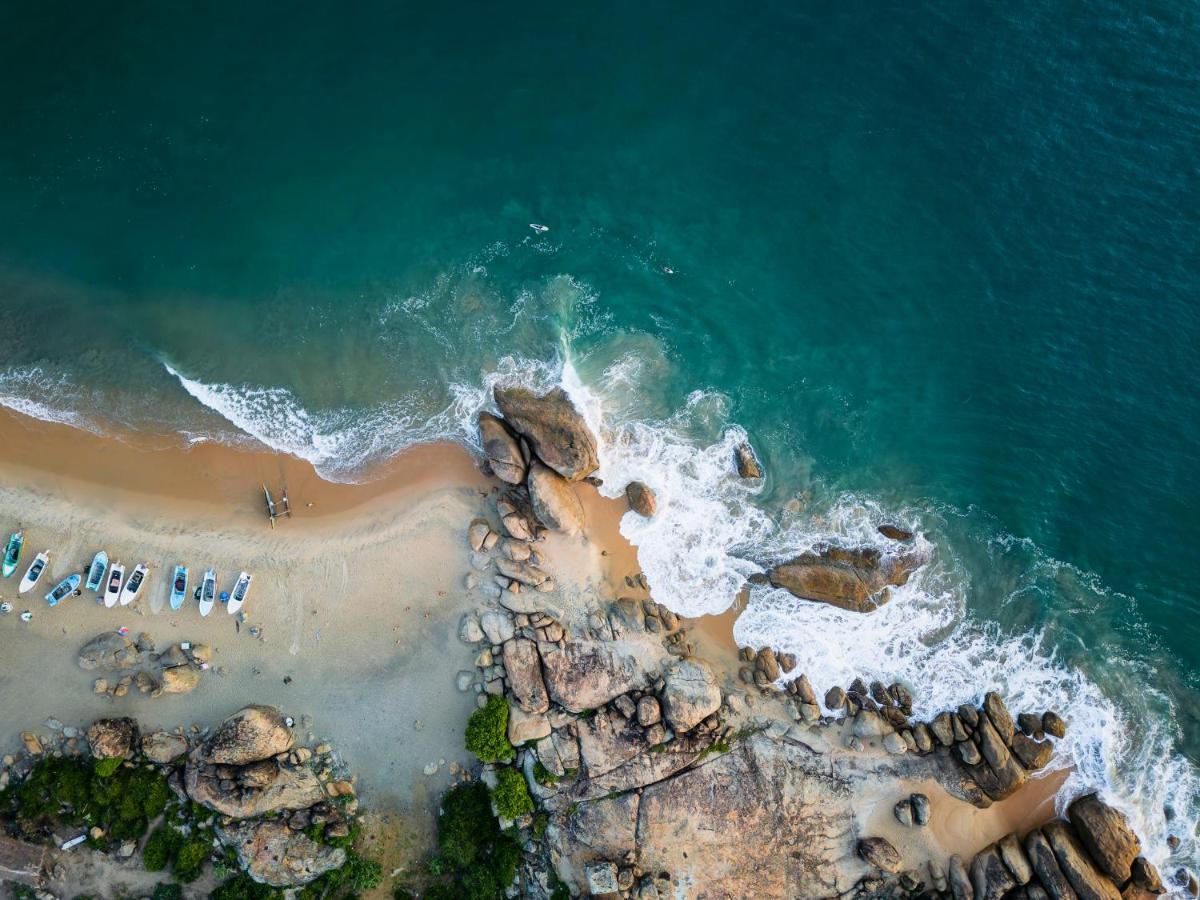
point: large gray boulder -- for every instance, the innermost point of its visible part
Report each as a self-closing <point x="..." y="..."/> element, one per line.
<point x="108" y="651"/>
<point x="554" y="428"/>
<point x="251" y="734"/>
<point x="273" y="854"/>
<point x="252" y="790"/>
<point x="852" y="578"/>
<point x="584" y="675"/>
<point x="554" y="500"/>
<point x="690" y="694"/>
<point x="500" y="449"/>
<point x="163" y="747"/>
<point x="524" y="671"/>
<point x="1086" y="880"/>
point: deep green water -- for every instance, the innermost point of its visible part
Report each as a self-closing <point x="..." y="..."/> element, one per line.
<point x="939" y="261"/>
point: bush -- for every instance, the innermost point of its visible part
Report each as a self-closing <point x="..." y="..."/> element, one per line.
<point x="243" y="887"/>
<point x="487" y="731"/>
<point x="189" y="860"/>
<point x="168" y="891"/>
<point x="483" y="860"/>
<point x="511" y="794"/>
<point x="363" y="874"/>
<point x="160" y="847"/>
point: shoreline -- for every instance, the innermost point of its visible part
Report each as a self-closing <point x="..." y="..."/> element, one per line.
<point x="353" y="622"/>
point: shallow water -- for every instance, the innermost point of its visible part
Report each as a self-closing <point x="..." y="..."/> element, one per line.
<point x="938" y="263"/>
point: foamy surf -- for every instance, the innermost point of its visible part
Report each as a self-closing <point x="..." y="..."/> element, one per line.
<point x="35" y="393"/>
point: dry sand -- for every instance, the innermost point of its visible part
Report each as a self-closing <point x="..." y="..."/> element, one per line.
<point x="358" y="596"/>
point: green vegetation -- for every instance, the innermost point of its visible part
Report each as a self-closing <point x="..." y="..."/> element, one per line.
<point x="243" y="887"/>
<point x="353" y="877"/>
<point x="160" y="848"/>
<point x="487" y="731"/>
<point x="511" y="794"/>
<point x="66" y="791"/>
<point x="544" y="776"/>
<point x="190" y="859"/>
<point x="168" y="891"/>
<point x="477" y="859"/>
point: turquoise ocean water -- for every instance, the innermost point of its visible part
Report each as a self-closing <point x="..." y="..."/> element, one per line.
<point x="939" y="262"/>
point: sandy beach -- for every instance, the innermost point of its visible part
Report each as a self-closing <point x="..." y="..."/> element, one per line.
<point x="356" y="604"/>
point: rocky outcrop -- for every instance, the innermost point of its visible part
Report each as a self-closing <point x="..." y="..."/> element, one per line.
<point x="273" y="854"/>
<point x="746" y="462"/>
<point x="524" y="673"/>
<point x="108" y="651"/>
<point x="851" y="578"/>
<point x="501" y="449"/>
<point x="249" y="735"/>
<point x="586" y="675"/>
<point x="554" y="500"/>
<point x="690" y="694"/>
<point x="556" y="431"/>
<point x="641" y="499"/>
<point x="251" y="790"/>
<point x="112" y="738"/>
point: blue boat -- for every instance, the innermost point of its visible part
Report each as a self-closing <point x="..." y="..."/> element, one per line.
<point x="179" y="587"/>
<point x="65" y="588"/>
<point x="12" y="553"/>
<point x="96" y="571"/>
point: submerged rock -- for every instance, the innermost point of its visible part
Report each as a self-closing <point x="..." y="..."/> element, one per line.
<point x="641" y="499"/>
<point x="853" y="578"/>
<point x="747" y="463"/>
<point x="554" y="428"/>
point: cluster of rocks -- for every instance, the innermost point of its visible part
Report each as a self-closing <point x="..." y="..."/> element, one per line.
<point x="629" y="615"/>
<point x="764" y="669"/>
<point x="626" y="878"/>
<point x="1092" y="855"/>
<point x="138" y="664"/>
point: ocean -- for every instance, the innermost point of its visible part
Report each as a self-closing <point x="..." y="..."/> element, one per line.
<point x="938" y="262"/>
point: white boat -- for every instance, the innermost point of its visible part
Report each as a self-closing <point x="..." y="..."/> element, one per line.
<point x="179" y="587"/>
<point x="134" y="585"/>
<point x="35" y="571"/>
<point x="112" y="589"/>
<point x="238" y="596"/>
<point x="96" y="572"/>
<point x="208" y="592"/>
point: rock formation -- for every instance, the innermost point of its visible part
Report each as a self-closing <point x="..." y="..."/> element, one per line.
<point x="852" y="578"/>
<point x="501" y="449"/>
<point x="556" y="431"/>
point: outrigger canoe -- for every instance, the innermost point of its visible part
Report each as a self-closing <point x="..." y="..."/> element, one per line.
<point x="12" y="553"/>
<point x="65" y="588"/>
<point x="179" y="587"/>
<point x="130" y="592"/>
<point x="208" y="592"/>
<point x="112" y="592"/>
<point x="96" y="571"/>
<point x="238" y="597"/>
<point x="35" y="571"/>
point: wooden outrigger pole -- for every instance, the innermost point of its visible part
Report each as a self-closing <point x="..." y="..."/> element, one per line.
<point x="287" y="507"/>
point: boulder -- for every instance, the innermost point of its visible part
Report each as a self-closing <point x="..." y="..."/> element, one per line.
<point x="1146" y="877"/>
<point x="1029" y="724"/>
<point x="690" y="694"/>
<point x="895" y="533"/>
<point x="254" y="790"/>
<point x="920" y="809"/>
<point x="108" y="651"/>
<point x="990" y="878"/>
<point x="746" y="461"/>
<point x="469" y="631"/>
<point x="1014" y="858"/>
<point x="500" y="449"/>
<point x="524" y="727"/>
<point x="994" y="706"/>
<point x="112" y="738"/>
<point x="554" y="500"/>
<point x="1033" y="754"/>
<point x="524" y="671"/>
<point x="648" y="711"/>
<point x="584" y="675"/>
<point x="271" y="853"/>
<point x="523" y="572"/>
<point x="1045" y="865"/>
<point x="556" y="431"/>
<point x="641" y="499"/>
<point x="1106" y="835"/>
<point x="251" y="734"/>
<point x="180" y="679"/>
<point x="477" y="533"/>
<point x="1085" y="879"/>
<point x="497" y="626"/>
<point x="163" y="747"/>
<point x="880" y="854"/>
<point x="835" y="699"/>
<point x="853" y="578"/>
<point x="960" y="881"/>
<point x="942" y="729"/>
<point x="602" y="878"/>
<point x="1053" y="725"/>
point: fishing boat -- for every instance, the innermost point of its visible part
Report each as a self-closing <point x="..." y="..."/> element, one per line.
<point x="134" y="584"/>
<point x="179" y="587"/>
<point x="208" y="592"/>
<point x="271" y="514"/>
<point x="12" y="553"/>
<point x="96" y="571"/>
<point x="112" y="591"/>
<point x="65" y="588"/>
<point x="238" y="596"/>
<point x="34" y="572"/>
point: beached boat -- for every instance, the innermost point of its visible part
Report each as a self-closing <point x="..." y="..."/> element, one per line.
<point x="64" y="588"/>
<point x="96" y="571"/>
<point x="208" y="592"/>
<point x="12" y="553"/>
<point x="34" y="573"/>
<point x="134" y="584"/>
<point x="112" y="591"/>
<point x="238" y="597"/>
<point x="179" y="587"/>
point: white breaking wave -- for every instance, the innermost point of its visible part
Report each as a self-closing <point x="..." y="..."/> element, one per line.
<point x="39" y="395"/>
